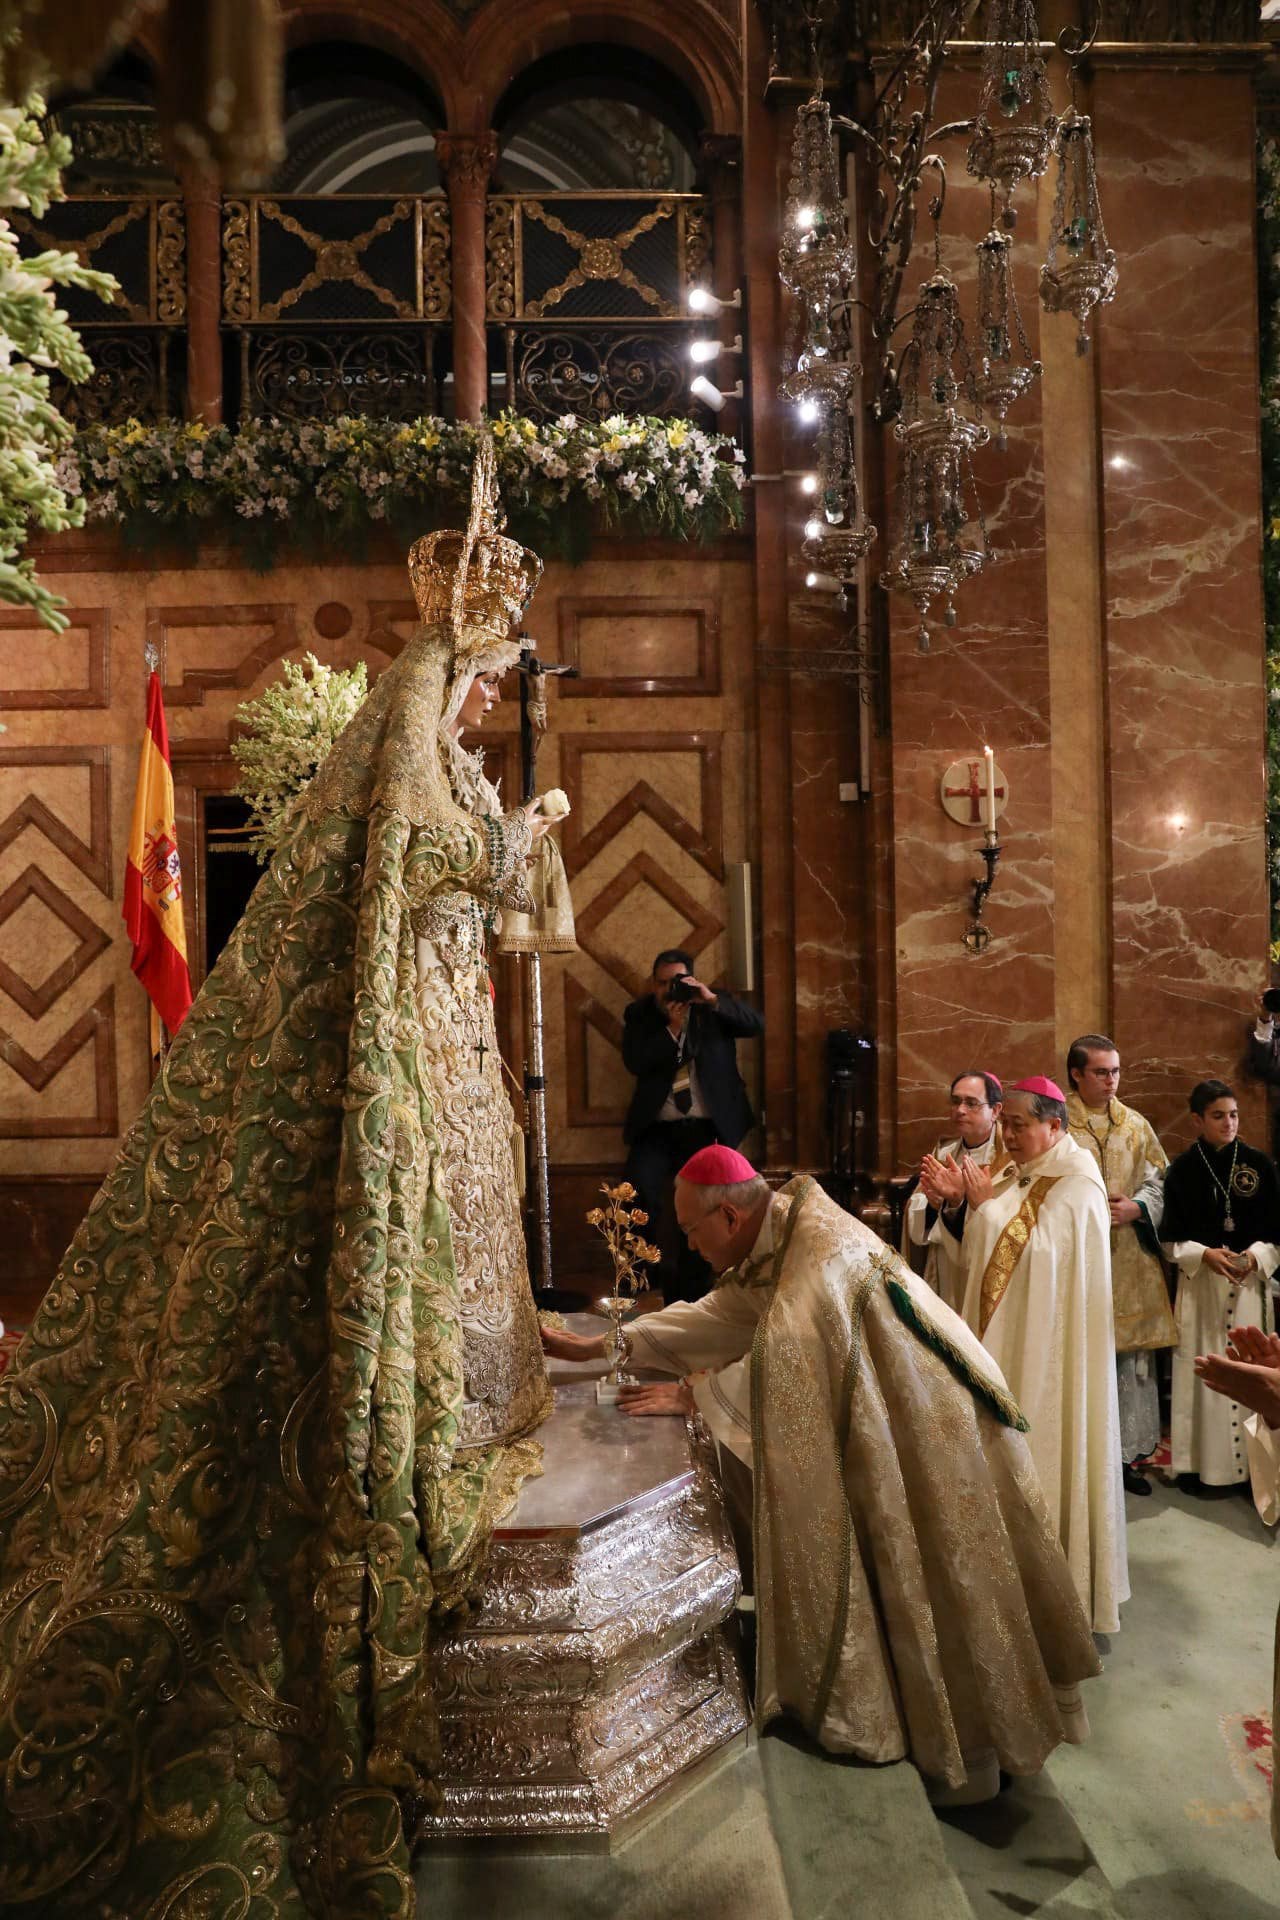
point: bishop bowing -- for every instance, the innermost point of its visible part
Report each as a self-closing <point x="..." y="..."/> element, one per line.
<point x="1038" y="1294"/>
<point x="911" y="1598"/>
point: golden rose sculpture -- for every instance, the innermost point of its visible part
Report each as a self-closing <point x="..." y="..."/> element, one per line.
<point x="618" y="1222"/>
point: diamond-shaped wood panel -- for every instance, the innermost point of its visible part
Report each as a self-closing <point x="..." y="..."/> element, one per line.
<point x="642" y="869"/>
<point x="35" y="997"/>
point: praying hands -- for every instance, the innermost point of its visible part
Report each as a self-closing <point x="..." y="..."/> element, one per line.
<point x="941" y="1182"/>
<point x="977" y="1183"/>
<point x="1249" y="1373"/>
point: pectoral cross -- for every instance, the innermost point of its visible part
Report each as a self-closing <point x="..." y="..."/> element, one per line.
<point x="481" y="1050"/>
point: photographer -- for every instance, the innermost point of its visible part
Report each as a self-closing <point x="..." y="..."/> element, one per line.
<point x="678" y="1041"/>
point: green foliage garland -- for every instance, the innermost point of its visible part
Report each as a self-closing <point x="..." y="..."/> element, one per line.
<point x="274" y="486"/>
<point x="34" y="335"/>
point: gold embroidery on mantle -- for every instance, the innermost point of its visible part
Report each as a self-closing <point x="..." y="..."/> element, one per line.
<point x="1009" y="1249"/>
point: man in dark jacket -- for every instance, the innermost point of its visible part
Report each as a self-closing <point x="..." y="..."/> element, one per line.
<point x="680" y="1047"/>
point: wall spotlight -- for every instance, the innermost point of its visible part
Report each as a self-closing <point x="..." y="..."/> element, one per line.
<point x="702" y="389"/>
<point x="812" y="529"/>
<point x="808" y="409"/>
<point x="700" y="351"/>
<point x="823" y="582"/>
<point x="809" y="484"/>
<point x="702" y="300"/>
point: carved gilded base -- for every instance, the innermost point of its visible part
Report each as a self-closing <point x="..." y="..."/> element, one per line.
<point x="597" y="1670"/>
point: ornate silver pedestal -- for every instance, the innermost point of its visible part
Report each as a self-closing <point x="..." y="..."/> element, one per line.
<point x="598" y="1669"/>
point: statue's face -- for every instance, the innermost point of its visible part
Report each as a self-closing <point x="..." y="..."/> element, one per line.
<point x="483" y="695"/>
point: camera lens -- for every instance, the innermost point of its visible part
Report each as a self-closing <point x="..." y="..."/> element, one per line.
<point x="1271" y="999"/>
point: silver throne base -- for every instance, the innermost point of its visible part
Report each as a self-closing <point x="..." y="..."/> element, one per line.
<point x="598" y="1672"/>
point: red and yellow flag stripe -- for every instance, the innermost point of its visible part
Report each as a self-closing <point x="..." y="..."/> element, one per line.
<point x="153" y="876"/>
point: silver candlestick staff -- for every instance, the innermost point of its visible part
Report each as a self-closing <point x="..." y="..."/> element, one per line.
<point x="533" y="722"/>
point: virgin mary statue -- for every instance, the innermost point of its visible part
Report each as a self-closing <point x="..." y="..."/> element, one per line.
<point x="240" y="1468"/>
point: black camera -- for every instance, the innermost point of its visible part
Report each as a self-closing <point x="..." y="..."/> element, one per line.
<point x="1271" y="999"/>
<point x="682" y="989"/>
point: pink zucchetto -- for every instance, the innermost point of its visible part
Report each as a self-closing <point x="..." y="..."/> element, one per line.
<point x="717" y="1167"/>
<point x="1047" y="1089"/>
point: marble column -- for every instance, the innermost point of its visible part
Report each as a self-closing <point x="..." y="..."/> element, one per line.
<point x="466" y="163"/>
<point x="202" y="201"/>
<point x="1178" y="363"/>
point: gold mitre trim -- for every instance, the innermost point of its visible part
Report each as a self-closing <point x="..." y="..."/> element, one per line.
<point x="501" y="577"/>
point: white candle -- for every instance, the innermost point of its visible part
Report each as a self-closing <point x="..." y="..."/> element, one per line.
<point x="991" y="790"/>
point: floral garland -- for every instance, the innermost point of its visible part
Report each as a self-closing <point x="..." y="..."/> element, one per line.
<point x="1269" y="329"/>
<point x="272" y="485"/>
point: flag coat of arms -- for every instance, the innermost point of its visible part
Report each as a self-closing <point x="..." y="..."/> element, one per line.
<point x="153" y="876"/>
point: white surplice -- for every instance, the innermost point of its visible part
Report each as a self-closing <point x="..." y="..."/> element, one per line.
<point x="1052" y="1335"/>
<point x="944" y="1267"/>
<point x="1207" y="1430"/>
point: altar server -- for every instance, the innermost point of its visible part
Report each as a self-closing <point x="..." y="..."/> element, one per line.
<point x="1038" y="1295"/>
<point x="1132" y="1163"/>
<point x="1221" y="1227"/>
<point x="911" y="1599"/>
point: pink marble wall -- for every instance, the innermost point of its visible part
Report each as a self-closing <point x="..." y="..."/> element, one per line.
<point x="1181" y="517"/>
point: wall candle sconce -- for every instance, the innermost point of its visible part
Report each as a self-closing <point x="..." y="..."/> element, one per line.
<point x="974" y="793"/>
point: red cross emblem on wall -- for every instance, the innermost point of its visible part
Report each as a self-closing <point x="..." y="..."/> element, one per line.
<point x="965" y="781"/>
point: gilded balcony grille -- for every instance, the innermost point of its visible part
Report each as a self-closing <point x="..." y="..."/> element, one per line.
<point x="335" y="260"/>
<point x="140" y="239"/>
<point x="610" y="257"/>
<point x="134" y="339"/>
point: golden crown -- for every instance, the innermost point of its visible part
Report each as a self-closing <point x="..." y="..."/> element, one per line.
<point x="501" y="577"/>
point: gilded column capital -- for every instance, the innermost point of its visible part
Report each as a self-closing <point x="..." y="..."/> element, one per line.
<point x="467" y="161"/>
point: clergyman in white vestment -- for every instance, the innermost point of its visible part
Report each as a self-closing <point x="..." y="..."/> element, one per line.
<point x="1037" y="1244"/>
<point x="935" y="1212"/>
<point x="911" y="1598"/>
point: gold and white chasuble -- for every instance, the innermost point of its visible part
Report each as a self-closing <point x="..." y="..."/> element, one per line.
<point x="944" y="1267"/>
<point x="911" y="1598"/>
<point x="1131" y="1162"/>
<point x="1039" y="1295"/>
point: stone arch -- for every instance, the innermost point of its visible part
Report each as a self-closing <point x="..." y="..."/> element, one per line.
<point x="696" y="45"/>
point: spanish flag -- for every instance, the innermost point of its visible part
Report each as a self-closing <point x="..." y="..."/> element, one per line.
<point x="153" y="876"/>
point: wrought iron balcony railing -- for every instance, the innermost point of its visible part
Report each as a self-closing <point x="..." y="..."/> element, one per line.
<point x="136" y="341"/>
<point x="335" y="304"/>
<point x="337" y="301"/>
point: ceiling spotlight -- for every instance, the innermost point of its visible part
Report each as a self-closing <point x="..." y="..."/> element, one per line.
<point x="702" y="300"/>
<point x="710" y="396"/>
<point x="809" y="484"/>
